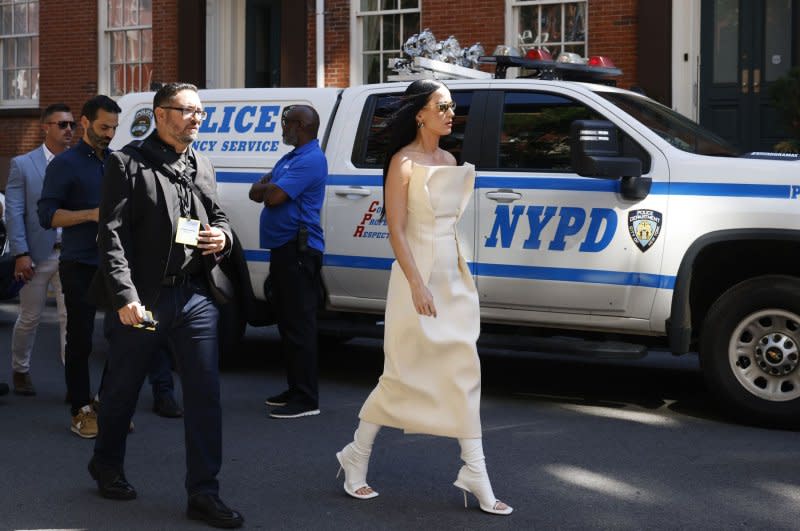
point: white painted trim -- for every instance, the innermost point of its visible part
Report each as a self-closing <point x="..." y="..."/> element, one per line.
<point x="103" y="66"/>
<point x="225" y="43"/>
<point x="320" y="21"/>
<point x="686" y="43"/>
<point x="356" y="44"/>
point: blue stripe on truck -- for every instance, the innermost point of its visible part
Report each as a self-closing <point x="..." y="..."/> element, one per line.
<point x="766" y="191"/>
<point x="588" y="276"/>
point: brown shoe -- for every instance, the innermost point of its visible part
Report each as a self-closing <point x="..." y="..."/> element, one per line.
<point x="84" y="424"/>
<point x="23" y="384"/>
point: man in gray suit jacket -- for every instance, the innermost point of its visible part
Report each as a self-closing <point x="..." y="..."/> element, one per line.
<point x="35" y="249"/>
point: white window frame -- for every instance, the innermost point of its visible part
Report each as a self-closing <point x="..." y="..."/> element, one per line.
<point x="512" y="22"/>
<point x="32" y="102"/>
<point x="357" y="36"/>
<point x="104" y="49"/>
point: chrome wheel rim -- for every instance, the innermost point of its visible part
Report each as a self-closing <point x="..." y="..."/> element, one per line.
<point x="764" y="356"/>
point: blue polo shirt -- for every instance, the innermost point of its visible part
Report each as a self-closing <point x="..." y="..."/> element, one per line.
<point x="302" y="174"/>
<point x="73" y="181"/>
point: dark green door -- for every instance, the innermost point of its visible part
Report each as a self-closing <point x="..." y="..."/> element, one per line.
<point x="263" y="44"/>
<point x="745" y="46"/>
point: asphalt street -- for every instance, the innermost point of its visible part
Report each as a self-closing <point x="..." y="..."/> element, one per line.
<point x="570" y="445"/>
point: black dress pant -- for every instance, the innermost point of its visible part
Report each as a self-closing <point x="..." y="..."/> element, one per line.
<point x="296" y="294"/>
<point x="75" y="280"/>
<point x="187" y="324"/>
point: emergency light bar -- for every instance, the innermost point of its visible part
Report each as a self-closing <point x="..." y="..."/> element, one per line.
<point x="568" y="67"/>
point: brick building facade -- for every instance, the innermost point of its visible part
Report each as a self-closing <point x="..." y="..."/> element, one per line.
<point x="210" y="43"/>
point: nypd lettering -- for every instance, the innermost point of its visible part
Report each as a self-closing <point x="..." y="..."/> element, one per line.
<point x="644" y="226"/>
<point x="568" y="222"/>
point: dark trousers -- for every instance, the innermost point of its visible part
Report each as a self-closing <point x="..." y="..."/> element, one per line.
<point x="187" y="323"/>
<point x="296" y="289"/>
<point x="75" y="280"/>
<point x="160" y="373"/>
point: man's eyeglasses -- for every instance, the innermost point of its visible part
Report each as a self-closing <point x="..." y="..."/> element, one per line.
<point x="63" y="124"/>
<point x="442" y="106"/>
<point x="188" y="111"/>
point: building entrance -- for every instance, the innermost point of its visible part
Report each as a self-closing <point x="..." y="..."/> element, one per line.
<point x="745" y="46"/>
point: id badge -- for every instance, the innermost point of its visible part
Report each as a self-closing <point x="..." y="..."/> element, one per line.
<point x="188" y="231"/>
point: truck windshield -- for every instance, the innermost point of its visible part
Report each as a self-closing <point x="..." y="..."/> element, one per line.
<point x="673" y="127"/>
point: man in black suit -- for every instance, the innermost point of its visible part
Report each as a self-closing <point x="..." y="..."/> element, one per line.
<point x="161" y="236"/>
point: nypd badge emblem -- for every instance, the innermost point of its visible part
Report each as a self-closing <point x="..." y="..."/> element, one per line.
<point x="644" y="226"/>
<point x="142" y="121"/>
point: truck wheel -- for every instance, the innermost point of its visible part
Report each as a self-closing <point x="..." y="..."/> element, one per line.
<point x="750" y="350"/>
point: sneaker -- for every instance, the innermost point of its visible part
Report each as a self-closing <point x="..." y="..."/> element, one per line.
<point x="23" y="385"/>
<point x="293" y="411"/>
<point x="84" y="424"/>
<point x="279" y="400"/>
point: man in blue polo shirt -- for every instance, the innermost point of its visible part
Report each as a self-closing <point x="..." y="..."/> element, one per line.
<point x="290" y="227"/>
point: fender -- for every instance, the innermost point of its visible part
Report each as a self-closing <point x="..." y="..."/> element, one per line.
<point x="679" y="324"/>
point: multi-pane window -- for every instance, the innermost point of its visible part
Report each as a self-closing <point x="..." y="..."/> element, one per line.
<point x="129" y="43"/>
<point x="19" y="52"/>
<point x="384" y="26"/>
<point x="554" y="25"/>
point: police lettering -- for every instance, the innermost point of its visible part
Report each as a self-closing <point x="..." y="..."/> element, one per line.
<point x="245" y="119"/>
<point x="571" y="220"/>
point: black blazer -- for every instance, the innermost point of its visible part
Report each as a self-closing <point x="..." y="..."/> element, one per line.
<point x="138" y="218"/>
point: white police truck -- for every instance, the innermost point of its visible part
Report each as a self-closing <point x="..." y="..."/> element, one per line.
<point x="602" y="224"/>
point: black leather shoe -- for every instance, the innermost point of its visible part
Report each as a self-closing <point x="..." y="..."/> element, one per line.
<point x="3" y="389"/>
<point x="210" y="509"/>
<point x="166" y="406"/>
<point x="111" y="483"/>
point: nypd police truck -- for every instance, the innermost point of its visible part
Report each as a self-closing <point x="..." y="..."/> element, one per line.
<point x="602" y="224"/>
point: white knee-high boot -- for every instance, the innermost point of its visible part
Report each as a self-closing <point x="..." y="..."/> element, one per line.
<point x="354" y="460"/>
<point x="474" y="478"/>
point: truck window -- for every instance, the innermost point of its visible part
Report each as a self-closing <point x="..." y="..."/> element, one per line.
<point x="535" y="132"/>
<point x="373" y="135"/>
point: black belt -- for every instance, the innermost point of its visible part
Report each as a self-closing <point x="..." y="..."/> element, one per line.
<point x="177" y="280"/>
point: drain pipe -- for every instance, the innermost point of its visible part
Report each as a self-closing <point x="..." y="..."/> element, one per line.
<point x="320" y="19"/>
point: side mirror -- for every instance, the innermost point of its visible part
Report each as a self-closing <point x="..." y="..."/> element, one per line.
<point x="595" y="153"/>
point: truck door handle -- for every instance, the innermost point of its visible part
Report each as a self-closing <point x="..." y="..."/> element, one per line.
<point x="355" y="190"/>
<point x="504" y="196"/>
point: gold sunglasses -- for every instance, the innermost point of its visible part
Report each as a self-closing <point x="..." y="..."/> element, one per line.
<point x="442" y="106"/>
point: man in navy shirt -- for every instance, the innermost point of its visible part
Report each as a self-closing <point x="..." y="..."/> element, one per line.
<point x="290" y="227"/>
<point x="70" y="199"/>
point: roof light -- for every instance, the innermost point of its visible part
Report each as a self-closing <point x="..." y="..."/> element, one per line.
<point x="601" y="61"/>
<point x="538" y="54"/>
<point x="571" y="58"/>
<point x="502" y="49"/>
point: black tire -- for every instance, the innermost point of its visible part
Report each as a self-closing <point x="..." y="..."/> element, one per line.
<point x="750" y="351"/>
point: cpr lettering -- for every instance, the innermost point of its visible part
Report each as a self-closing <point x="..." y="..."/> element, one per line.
<point x="243" y="118"/>
<point x="571" y="220"/>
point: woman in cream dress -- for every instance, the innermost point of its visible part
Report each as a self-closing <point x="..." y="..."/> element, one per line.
<point x="431" y="381"/>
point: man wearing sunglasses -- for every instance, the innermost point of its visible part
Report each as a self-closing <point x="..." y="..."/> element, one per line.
<point x="35" y="249"/>
<point x="290" y="227"/>
<point x="70" y="196"/>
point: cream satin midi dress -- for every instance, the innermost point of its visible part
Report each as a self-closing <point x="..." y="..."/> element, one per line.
<point x="431" y="380"/>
